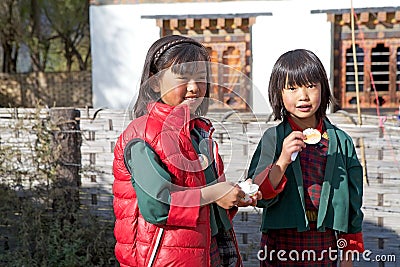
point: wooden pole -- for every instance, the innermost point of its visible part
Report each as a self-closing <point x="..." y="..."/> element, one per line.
<point x="353" y="43"/>
<point x="363" y="161"/>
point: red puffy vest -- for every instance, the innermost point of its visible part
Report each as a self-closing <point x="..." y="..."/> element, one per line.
<point x="185" y="239"/>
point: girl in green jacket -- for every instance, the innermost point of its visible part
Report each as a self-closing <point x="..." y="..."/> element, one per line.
<point x="308" y="172"/>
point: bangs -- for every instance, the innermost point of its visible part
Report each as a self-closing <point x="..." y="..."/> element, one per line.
<point x="189" y="60"/>
<point x="302" y="75"/>
<point x="189" y="68"/>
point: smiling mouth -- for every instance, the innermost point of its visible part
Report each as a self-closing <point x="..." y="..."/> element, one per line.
<point x="191" y="98"/>
<point x="304" y="107"/>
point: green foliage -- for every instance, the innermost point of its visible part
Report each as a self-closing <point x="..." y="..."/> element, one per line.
<point x="70" y="20"/>
<point x="55" y="32"/>
<point x="32" y="233"/>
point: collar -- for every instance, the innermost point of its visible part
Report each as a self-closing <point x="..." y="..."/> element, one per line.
<point x="177" y="117"/>
<point x="295" y="127"/>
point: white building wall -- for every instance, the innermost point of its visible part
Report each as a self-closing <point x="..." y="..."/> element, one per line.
<point x="291" y="27"/>
<point x="120" y="40"/>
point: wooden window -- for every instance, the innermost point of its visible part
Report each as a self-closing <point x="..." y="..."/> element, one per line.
<point x="380" y="67"/>
<point x="398" y="70"/>
<point x="374" y="74"/>
<point x="350" y="69"/>
<point x="228" y="41"/>
<point x="231" y="86"/>
<point x="377" y="48"/>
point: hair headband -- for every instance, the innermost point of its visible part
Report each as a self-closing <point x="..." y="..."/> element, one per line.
<point x="167" y="46"/>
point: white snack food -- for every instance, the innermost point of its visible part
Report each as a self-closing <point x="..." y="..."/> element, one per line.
<point x="313" y="136"/>
<point x="249" y="189"/>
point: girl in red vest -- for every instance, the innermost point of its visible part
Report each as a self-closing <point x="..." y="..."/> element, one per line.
<point x="172" y="204"/>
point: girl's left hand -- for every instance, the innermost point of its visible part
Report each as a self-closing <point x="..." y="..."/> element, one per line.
<point x="253" y="199"/>
<point x="346" y="263"/>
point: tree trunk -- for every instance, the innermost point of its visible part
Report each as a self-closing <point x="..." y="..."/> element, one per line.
<point x="9" y="59"/>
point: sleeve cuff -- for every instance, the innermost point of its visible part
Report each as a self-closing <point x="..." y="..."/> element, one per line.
<point x="266" y="188"/>
<point x="232" y="212"/>
<point x="184" y="208"/>
<point x="354" y="242"/>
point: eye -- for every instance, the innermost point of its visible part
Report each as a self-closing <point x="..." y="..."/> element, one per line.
<point x="291" y="88"/>
<point x="311" y="86"/>
<point x="182" y="78"/>
<point x="202" y="79"/>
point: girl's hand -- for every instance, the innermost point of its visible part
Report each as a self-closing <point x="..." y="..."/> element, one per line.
<point x="292" y="143"/>
<point x="225" y="194"/>
<point x="346" y="263"/>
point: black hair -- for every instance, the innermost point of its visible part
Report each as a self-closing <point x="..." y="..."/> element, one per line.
<point x="298" y="67"/>
<point x="172" y="50"/>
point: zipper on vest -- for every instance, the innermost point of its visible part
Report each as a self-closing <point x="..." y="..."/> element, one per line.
<point x="156" y="247"/>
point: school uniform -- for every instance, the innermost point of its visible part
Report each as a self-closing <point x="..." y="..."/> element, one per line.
<point x="319" y="196"/>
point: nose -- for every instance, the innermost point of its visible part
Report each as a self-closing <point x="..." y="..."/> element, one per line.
<point x="303" y="92"/>
<point x="192" y="86"/>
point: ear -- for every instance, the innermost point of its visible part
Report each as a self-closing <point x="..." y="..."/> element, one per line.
<point x="153" y="82"/>
<point x="156" y="89"/>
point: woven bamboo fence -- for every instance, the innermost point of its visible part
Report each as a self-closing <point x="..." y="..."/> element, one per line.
<point x="53" y="89"/>
<point x="238" y="135"/>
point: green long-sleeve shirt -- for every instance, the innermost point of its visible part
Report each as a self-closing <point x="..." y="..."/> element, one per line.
<point x="152" y="183"/>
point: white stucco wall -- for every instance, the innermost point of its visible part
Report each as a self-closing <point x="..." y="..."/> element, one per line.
<point x="120" y="40"/>
<point x="291" y="27"/>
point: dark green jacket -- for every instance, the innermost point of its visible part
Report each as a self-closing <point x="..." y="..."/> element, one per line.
<point x="341" y="193"/>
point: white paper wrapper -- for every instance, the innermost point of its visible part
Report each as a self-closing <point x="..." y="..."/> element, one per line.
<point x="294" y="155"/>
<point x="249" y="189"/>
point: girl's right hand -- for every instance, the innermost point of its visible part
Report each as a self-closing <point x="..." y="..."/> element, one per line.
<point x="294" y="142"/>
<point x="225" y="194"/>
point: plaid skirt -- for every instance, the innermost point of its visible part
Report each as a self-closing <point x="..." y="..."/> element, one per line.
<point x="223" y="250"/>
<point x="288" y="247"/>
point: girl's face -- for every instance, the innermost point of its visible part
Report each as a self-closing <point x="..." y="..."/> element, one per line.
<point x="302" y="102"/>
<point x="184" y="89"/>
